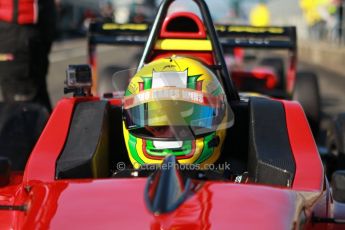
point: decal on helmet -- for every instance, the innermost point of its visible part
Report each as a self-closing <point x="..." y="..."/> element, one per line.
<point x="172" y="94"/>
<point x="169" y="79"/>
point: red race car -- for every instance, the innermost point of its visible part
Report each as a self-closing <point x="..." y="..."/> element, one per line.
<point x="264" y="60"/>
<point x="178" y="148"/>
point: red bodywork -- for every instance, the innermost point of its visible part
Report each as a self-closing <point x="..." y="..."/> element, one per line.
<point x="265" y="75"/>
<point x="110" y="204"/>
<point x="262" y="79"/>
<point x="119" y="203"/>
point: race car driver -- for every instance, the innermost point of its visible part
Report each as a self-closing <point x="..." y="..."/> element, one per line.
<point x="175" y="106"/>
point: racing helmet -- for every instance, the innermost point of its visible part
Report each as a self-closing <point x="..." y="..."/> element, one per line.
<point x="175" y="106"/>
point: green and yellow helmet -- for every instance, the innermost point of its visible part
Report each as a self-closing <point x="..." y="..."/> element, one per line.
<point x="175" y="106"/>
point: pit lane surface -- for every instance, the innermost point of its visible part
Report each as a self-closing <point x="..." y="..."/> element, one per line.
<point x="332" y="85"/>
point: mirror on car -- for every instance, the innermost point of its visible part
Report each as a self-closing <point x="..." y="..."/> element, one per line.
<point x="5" y="169"/>
<point x="338" y="186"/>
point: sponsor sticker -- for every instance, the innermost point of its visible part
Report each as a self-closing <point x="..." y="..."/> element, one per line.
<point x="113" y="26"/>
<point x="171" y="93"/>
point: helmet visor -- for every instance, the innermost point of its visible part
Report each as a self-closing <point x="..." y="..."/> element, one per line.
<point x="175" y="113"/>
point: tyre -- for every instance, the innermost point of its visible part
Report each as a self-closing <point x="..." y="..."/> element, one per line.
<point x="307" y="93"/>
<point x="335" y="141"/>
<point x="277" y="63"/>
<point x="21" y="124"/>
<point x="338" y="186"/>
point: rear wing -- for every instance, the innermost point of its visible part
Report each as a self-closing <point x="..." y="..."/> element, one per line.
<point x="229" y="35"/>
<point x="258" y="37"/>
<point x="118" y="34"/>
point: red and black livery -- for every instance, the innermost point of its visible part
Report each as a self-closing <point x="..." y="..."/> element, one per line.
<point x="72" y="178"/>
